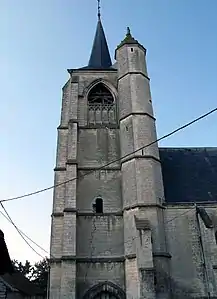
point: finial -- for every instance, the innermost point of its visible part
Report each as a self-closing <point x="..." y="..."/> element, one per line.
<point x="128" y="31"/>
<point x="99" y="12"/>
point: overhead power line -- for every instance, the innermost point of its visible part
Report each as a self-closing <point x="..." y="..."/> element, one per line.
<point x="25" y="235"/>
<point x="22" y="234"/>
<point x="116" y="160"/>
<point x="19" y="232"/>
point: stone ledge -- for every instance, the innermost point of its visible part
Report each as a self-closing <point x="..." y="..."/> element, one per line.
<point x="130" y="256"/>
<point x="140" y="157"/>
<point x="55" y="260"/>
<point x="72" y="121"/>
<point x="148" y="269"/>
<point x="134" y="73"/>
<point x="162" y="254"/>
<point x="70" y="210"/>
<point x="90" y="70"/>
<point x="105" y="259"/>
<point x="138" y="205"/>
<point x="92" y="214"/>
<point x="184" y="205"/>
<point x="105" y="126"/>
<point x="61" y="127"/>
<point x="60" y="169"/>
<point x="86" y="214"/>
<point x="57" y="214"/>
<point x="136" y="113"/>
<point x="71" y="162"/>
<point x="98" y="168"/>
<point x="111" y="259"/>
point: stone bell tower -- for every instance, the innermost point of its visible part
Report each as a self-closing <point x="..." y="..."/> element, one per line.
<point x="142" y="185"/>
<point x="107" y="236"/>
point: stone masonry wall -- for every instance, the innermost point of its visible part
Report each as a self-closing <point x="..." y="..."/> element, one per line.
<point x="188" y="274"/>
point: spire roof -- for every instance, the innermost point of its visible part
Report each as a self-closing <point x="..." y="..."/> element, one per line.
<point x="100" y="56"/>
<point x="129" y="40"/>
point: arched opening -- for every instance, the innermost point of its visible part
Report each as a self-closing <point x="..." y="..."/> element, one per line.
<point x="105" y="290"/>
<point x="98" y="205"/>
<point x="101" y="106"/>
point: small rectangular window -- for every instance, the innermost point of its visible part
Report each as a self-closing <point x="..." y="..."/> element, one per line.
<point x="98" y="206"/>
<point x="131" y="49"/>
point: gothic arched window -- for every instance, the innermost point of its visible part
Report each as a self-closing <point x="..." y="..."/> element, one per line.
<point x="101" y="106"/>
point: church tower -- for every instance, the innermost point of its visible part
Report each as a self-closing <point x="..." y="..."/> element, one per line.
<point x="107" y="236"/>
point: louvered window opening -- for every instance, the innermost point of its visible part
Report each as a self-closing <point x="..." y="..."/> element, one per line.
<point x="101" y="106"/>
<point x="105" y="295"/>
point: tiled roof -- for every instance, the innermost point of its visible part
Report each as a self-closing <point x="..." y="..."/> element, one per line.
<point x="189" y="174"/>
<point x="22" y="284"/>
<point x="16" y="280"/>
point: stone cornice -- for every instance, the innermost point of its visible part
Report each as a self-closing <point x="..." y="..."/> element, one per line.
<point x="91" y="214"/>
<point x="136" y="113"/>
<point x="162" y="254"/>
<point x="86" y="214"/>
<point x="139" y="206"/>
<point x="134" y="73"/>
<point x="105" y="259"/>
<point x="150" y="157"/>
<point x="98" y="168"/>
<point x="60" y="169"/>
<point x="106" y="214"/>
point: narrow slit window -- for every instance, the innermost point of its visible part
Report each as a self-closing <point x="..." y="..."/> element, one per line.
<point x="98" y="205"/>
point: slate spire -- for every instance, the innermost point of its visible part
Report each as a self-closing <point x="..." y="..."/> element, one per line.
<point x="100" y="57"/>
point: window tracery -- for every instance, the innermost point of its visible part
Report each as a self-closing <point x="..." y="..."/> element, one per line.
<point x="101" y="106"/>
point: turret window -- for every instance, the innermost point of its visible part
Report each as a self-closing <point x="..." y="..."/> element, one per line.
<point x="101" y="106"/>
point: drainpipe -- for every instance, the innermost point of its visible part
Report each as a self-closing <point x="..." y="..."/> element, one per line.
<point x="203" y="254"/>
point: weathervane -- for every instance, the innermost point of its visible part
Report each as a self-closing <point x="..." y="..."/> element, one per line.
<point x="99" y="13"/>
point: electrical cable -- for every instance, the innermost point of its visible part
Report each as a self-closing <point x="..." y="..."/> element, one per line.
<point x="92" y="233"/>
<point x="20" y="232"/>
<point x="25" y="235"/>
<point x="107" y="164"/>
<point x="114" y="161"/>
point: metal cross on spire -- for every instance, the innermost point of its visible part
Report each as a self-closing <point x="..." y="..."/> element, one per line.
<point x="99" y="9"/>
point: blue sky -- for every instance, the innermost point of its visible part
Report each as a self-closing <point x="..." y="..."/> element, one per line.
<point x="41" y="39"/>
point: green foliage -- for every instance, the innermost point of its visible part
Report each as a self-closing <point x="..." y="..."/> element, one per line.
<point x="25" y="269"/>
<point x="37" y="273"/>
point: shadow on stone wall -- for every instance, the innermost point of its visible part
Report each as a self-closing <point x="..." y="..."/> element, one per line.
<point x="178" y="290"/>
